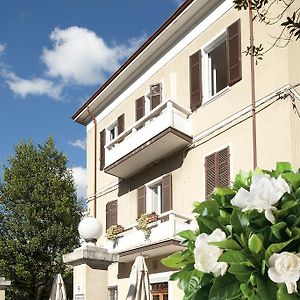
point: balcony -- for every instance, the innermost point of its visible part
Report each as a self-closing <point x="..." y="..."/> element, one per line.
<point x="165" y="130"/>
<point x="163" y="238"/>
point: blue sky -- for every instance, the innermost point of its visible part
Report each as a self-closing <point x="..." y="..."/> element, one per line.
<point x="54" y="54"/>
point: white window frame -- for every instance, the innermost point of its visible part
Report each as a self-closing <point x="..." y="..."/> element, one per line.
<point x="108" y="131"/>
<point x="149" y="199"/>
<point x="206" y="68"/>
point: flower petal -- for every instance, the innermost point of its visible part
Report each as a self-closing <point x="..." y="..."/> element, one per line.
<point x="269" y="215"/>
<point x="291" y="287"/>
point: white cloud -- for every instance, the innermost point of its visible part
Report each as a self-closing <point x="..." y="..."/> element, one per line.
<point x="36" y="86"/>
<point x="79" y="174"/>
<point x="2" y="48"/>
<point x="79" y="144"/>
<point x="79" y="56"/>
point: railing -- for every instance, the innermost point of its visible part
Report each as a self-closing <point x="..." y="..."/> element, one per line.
<point x="160" y="230"/>
<point x="167" y="114"/>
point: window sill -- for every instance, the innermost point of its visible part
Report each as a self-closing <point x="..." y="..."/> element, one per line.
<point x="216" y="96"/>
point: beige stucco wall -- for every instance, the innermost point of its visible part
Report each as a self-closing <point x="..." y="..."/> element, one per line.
<point x="2" y="295"/>
<point x="278" y="128"/>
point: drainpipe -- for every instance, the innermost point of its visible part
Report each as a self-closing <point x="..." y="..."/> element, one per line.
<point x="253" y="89"/>
<point x="95" y="161"/>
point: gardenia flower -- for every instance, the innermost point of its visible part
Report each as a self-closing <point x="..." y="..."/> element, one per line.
<point x="206" y="256"/>
<point x="285" y="268"/>
<point x="265" y="192"/>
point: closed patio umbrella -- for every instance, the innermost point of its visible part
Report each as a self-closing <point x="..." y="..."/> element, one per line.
<point x="139" y="288"/>
<point x="58" y="291"/>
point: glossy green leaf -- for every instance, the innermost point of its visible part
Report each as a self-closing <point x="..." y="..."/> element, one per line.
<point x="275" y="248"/>
<point x="293" y="179"/>
<point x="225" y="287"/>
<point x="227" y="244"/>
<point x="188" y="234"/>
<point x="255" y="244"/>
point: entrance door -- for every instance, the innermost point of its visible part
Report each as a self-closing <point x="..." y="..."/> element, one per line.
<point x="159" y="291"/>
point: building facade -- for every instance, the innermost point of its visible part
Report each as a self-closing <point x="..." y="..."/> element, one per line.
<point x="175" y="121"/>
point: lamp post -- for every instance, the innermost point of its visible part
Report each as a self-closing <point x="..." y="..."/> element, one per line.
<point x="90" y="263"/>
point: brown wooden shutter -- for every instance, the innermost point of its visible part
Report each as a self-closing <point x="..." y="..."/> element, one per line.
<point x="155" y="95"/>
<point x="141" y="201"/>
<point x="111" y="213"/>
<point x="139" y="108"/>
<point x="234" y="59"/>
<point x="167" y="193"/>
<point x="217" y="170"/>
<point x="102" y="149"/>
<point x="195" y="81"/>
<point x="224" y="167"/>
<point x="121" y="124"/>
<point x="210" y="173"/>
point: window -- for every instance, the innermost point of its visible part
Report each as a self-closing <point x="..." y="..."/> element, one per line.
<point x="144" y="105"/>
<point x="159" y="291"/>
<point x="112" y="131"/>
<point x="109" y="134"/>
<point x="216" y="66"/>
<point x="112" y="293"/>
<point x="217" y="170"/>
<point x="155" y="197"/>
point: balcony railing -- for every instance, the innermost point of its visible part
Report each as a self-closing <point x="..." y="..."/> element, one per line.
<point x="132" y="240"/>
<point x="163" y="131"/>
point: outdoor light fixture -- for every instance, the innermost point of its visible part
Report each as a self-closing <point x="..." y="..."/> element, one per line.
<point x="90" y="229"/>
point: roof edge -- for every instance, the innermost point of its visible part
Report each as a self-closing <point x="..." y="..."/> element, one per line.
<point x="133" y="57"/>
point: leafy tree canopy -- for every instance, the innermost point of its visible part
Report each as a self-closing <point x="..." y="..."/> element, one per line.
<point x="283" y="13"/>
<point x="39" y="215"/>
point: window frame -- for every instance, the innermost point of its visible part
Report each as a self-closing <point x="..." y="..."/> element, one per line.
<point x="113" y="125"/>
<point x="206" y="67"/>
<point x="113" y="289"/>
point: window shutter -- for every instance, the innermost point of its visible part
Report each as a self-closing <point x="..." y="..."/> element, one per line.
<point x="195" y="81"/>
<point x="121" y="124"/>
<point x="234" y="53"/>
<point x="139" y="108"/>
<point x="167" y="193"/>
<point x="210" y="173"/>
<point x="102" y="149"/>
<point x="217" y="170"/>
<point x="111" y="213"/>
<point x="141" y="201"/>
<point x="155" y="95"/>
<point x="224" y="167"/>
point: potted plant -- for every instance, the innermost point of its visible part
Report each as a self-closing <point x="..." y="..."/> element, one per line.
<point x="248" y="240"/>
<point x="142" y="224"/>
<point x="112" y="233"/>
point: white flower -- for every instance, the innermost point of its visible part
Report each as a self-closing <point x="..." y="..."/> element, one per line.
<point x="265" y="192"/>
<point x="285" y="268"/>
<point x="206" y="256"/>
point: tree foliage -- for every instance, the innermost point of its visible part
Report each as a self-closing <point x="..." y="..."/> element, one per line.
<point x="274" y="12"/>
<point x="39" y="215"/>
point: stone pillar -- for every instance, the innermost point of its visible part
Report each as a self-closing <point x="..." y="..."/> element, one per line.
<point x="90" y="264"/>
<point x="4" y="284"/>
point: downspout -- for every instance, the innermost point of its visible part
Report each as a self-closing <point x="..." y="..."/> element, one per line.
<point x="254" y="145"/>
<point x="95" y="161"/>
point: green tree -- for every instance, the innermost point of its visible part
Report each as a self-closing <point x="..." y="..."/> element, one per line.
<point x="39" y="217"/>
<point x="283" y="13"/>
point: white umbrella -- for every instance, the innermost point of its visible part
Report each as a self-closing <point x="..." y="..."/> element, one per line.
<point x="58" y="291"/>
<point x="139" y="288"/>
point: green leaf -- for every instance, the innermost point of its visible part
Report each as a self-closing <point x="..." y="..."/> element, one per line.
<point x="188" y="235"/>
<point x="293" y="179"/>
<point x="239" y="221"/>
<point x="207" y="208"/>
<point x="277" y="228"/>
<point x="225" y="287"/>
<point x="227" y="244"/>
<point x="233" y="256"/>
<point x="275" y="248"/>
<point x="282" y="167"/>
<point x="255" y="244"/>
<point x="174" y="261"/>
<point x="224" y="191"/>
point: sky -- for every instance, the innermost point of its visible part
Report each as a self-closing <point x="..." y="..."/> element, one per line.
<point x="54" y="54"/>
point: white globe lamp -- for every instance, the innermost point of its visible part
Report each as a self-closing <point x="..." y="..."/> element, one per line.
<point x="90" y="229"/>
